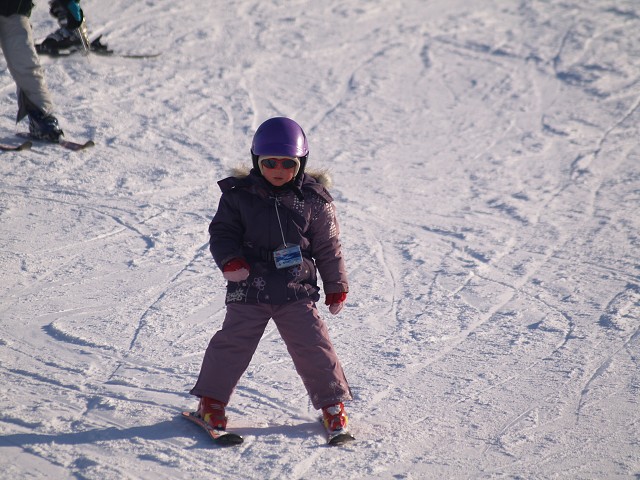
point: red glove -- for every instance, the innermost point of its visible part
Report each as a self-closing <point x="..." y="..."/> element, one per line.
<point x="335" y="301"/>
<point x="236" y="270"/>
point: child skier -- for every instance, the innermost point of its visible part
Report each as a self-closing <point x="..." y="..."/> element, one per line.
<point x="270" y="227"/>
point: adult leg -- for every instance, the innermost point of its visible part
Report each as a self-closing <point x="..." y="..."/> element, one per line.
<point x="307" y="339"/>
<point x="230" y="350"/>
<point x="16" y="38"/>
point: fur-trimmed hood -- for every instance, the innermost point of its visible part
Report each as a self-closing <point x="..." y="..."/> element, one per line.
<point x="321" y="176"/>
<point x="302" y="185"/>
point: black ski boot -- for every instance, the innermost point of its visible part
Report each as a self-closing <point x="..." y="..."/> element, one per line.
<point x="44" y="127"/>
<point x="61" y="39"/>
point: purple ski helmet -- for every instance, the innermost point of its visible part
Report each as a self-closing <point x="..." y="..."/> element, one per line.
<point x="280" y="137"/>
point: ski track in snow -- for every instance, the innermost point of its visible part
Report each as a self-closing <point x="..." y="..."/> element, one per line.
<point x="486" y="174"/>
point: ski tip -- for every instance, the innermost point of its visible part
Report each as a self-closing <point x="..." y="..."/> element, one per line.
<point x="74" y="145"/>
<point x="341" y="439"/>
<point x="140" y="56"/>
<point x="229" y="439"/>
<point x="16" y="148"/>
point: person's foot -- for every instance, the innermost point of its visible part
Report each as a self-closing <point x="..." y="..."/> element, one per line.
<point x="334" y="417"/>
<point x="44" y="126"/>
<point x="212" y="412"/>
<point x="61" y="39"/>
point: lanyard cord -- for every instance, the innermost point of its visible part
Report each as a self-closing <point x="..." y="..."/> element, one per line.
<point x="284" y="242"/>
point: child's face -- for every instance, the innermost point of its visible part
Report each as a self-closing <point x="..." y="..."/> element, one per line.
<point x="275" y="171"/>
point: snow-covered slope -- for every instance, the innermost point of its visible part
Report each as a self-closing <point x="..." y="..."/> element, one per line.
<point x="487" y="178"/>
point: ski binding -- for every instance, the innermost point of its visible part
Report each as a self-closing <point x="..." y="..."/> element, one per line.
<point x="220" y="437"/>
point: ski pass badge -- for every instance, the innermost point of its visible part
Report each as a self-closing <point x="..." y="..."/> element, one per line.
<point x="287" y="256"/>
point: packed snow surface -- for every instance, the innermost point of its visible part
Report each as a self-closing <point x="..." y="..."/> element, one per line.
<point x="486" y="169"/>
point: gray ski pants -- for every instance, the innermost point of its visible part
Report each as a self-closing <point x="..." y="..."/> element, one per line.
<point x="16" y="39"/>
<point x="305" y="336"/>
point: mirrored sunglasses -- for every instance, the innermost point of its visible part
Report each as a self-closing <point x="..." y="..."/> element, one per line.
<point x="284" y="162"/>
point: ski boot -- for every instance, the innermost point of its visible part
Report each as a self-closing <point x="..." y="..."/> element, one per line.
<point x="334" y="417"/>
<point x="61" y="39"/>
<point x="64" y="41"/>
<point x="335" y="422"/>
<point x="212" y="412"/>
<point x="44" y="126"/>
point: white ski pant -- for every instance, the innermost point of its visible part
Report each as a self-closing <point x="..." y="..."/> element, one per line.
<point x="16" y="39"/>
<point x="305" y="335"/>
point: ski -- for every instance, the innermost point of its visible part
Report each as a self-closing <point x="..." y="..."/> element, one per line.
<point x="16" y="148"/>
<point x="134" y="56"/>
<point x="103" y="53"/>
<point x="68" y="144"/>
<point x="95" y="47"/>
<point x="220" y="437"/>
<point x="339" y="437"/>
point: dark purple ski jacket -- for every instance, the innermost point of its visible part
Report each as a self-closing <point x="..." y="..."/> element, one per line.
<point x="246" y="225"/>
